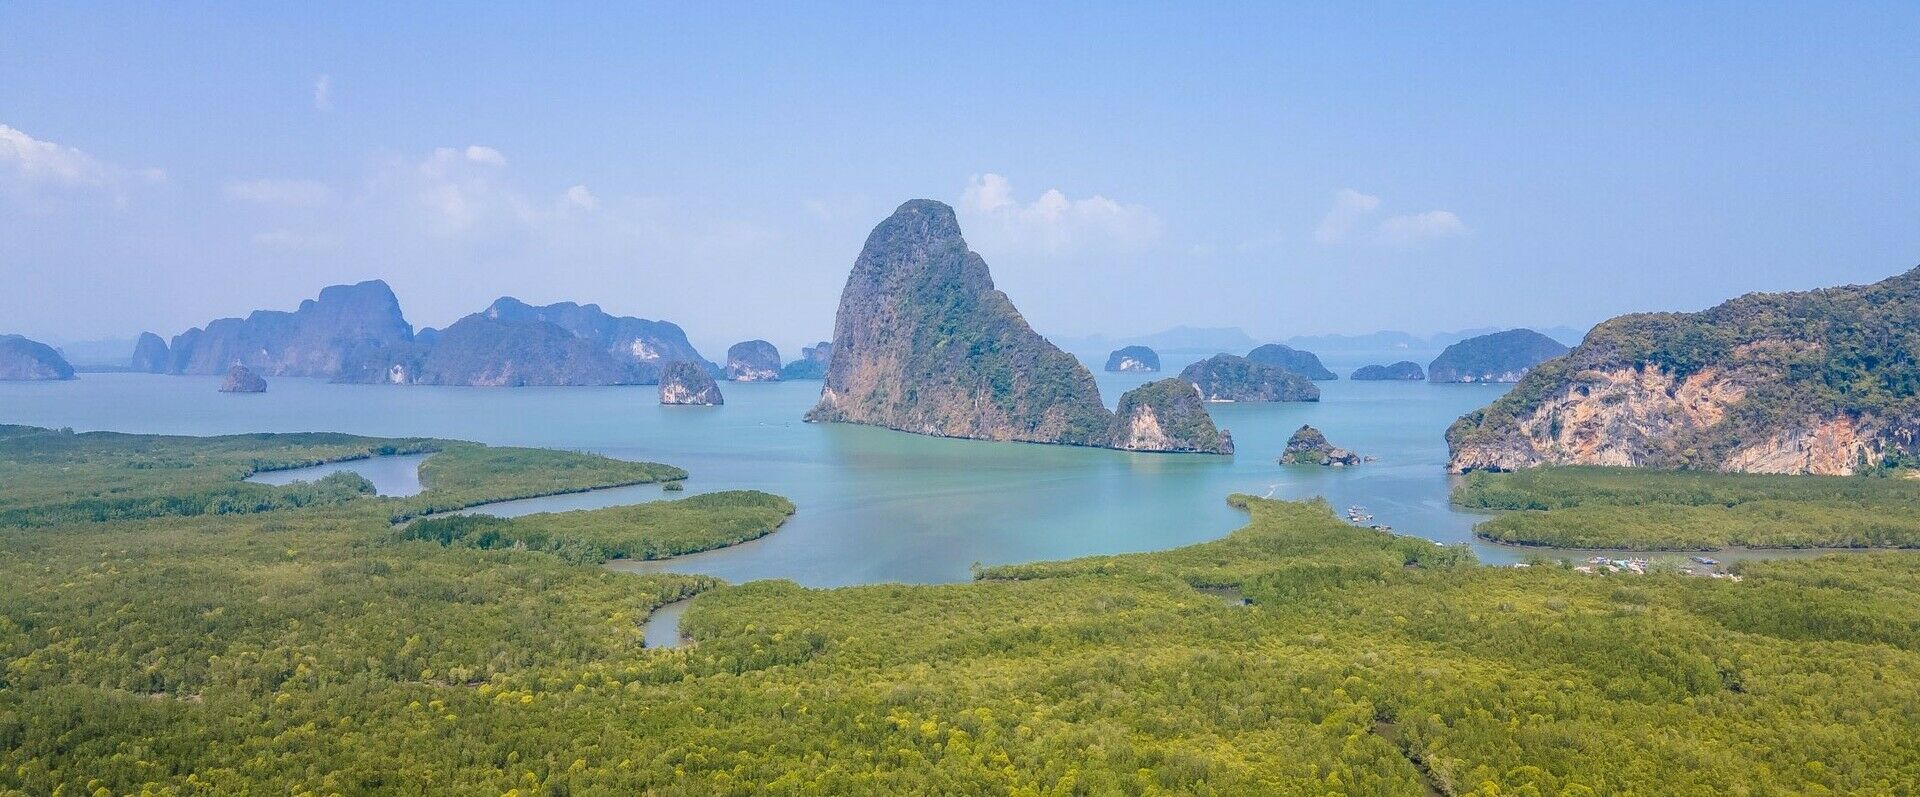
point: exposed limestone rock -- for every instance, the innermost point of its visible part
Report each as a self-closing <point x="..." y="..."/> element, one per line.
<point x="1767" y="383"/>
<point x="687" y="382"/>
<point x="1167" y="415"/>
<point x="753" y="361"/>
<point x="924" y="343"/>
<point x="241" y="379"/>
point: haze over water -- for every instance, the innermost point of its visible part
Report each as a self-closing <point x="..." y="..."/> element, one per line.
<point x="874" y="505"/>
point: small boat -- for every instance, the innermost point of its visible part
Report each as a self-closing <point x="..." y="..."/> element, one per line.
<point x="1704" y="560"/>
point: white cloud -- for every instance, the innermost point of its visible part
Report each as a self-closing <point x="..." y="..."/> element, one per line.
<point x="486" y="155"/>
<point x="1417" y="227"/>
<point x="31" y="168"/>
<point x="323" y="93"/>
<point x="1348" y="218"/>
<point x="582" y="198"/>
<point x="1053" y="223"/>
<point x="279" y="192"/>
<point x="31" y="161"/>
<point x="1350" y="208"/>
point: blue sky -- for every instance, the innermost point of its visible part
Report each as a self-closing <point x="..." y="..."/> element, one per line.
<point x="1123" y="168"/>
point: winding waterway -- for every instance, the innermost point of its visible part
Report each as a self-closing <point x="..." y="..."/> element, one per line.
<point x="874" y="505"/>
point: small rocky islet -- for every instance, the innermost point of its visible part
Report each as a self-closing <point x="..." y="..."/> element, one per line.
<point x="1133" y="360"/>
<point x="1404" y="370"/>
<point x="688" y="383"/>
<point x="753" y="361"/>
<point x="1308" y="446"/>
<point x="241" y="379"/>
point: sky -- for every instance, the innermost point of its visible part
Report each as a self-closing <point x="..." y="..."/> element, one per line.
<point x="1124" y="168"/>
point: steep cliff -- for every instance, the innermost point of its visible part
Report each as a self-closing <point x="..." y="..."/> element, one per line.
<point x="1497" y="357"/>
<point x="149" y="355"/>
<point x="318" y="339"/>
<point x="924" y="343"/>
<point x="23" y="359"/>
<point x="1304" y="363"/>
<point x="687" y="382"/>
<point x="812" y="363"/>
<point x="1404" y="369"/>
<point x="753" y="361"/>
<point x="1133" y="359"/>
<point x="1224" y="377"/>
<point x="1820" y="382"/>
<point x="1167" y="415"/>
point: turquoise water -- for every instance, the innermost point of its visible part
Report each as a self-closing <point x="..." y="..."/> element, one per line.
<point x="874" y="505"/>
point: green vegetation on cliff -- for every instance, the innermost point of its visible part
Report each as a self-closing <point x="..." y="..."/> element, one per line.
<point x="1497" y="357"/>
<point x="1584" y="507"/>
<point x="1167" y="415"/>
<point x="1773" y="368"/>
<point x="315" y="651"/>
<point x="924" y="343"/>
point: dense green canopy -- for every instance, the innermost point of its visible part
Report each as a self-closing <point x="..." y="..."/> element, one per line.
<point x="314" y="649"/>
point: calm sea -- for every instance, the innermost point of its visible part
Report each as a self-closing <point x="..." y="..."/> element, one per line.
<point x="874" y="505"/>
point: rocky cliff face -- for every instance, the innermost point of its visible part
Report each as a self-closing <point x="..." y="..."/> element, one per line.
<point x="1133" y="359"/>
<point x="150" y="354"/>
<point x="1308" y="446"/>
<point x="924" y="343"/>
<point x="812" y="363"/>
<point x="241" y="379"/>
<point x="318" y="339"/>
<point x="1224" y="377"/>
<point x="1498" y="357"/>
<point x="1167" y="415"/>
<point x="1821" y="382"/>
<point x="1405" y="369"/>
<point x="1304" y="363"/>
<point x="687" y="382"/>
<point x="514" y="344"/>
<point x="23" y="359"/>
<point x="753" y="361"/>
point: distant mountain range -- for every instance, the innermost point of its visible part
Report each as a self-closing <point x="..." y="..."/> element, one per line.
<point x="1214" y="340"/>
<point x="356" y="333"/>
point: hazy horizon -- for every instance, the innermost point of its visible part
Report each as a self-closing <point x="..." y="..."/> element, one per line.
<point x="1286" y="171"/>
